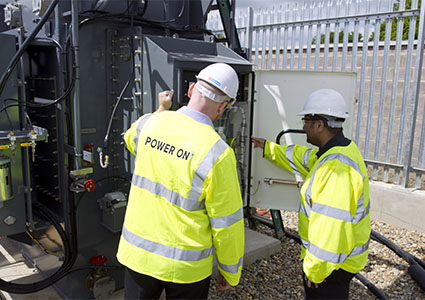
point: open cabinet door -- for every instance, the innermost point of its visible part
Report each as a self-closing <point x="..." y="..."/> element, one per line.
<point x="279" y="97"/>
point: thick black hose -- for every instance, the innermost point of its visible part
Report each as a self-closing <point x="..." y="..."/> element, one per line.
<point x="17" y="288"/>
<point x="371" y="287"/>
<point x="400" y="252"/>
<point x="415" y="269"/>
<point x="418" y="274"/>
<point x="25" y="45"/>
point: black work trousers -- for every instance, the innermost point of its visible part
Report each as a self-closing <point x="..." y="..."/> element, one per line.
<point x="140" y="286"/>
<point x="335" y="286"/>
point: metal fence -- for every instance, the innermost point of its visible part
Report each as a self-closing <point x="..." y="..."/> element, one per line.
<point x="383" y="41"/>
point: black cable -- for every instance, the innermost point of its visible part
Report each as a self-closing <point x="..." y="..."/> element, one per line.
<point x="59" y="274"/>
<point x="25" y="45"/>
<point x="29" y="120"/>
<point x="106" y="139"/>
<point x="7" y="115"/>
<point x="8" y="119"/>
<point x="152" y="23"/>
<point x="38" y="105"/>
<point x="397" y="250"/>
<point x="416" y="270"/>
<point x="54" y="101"/>
<point x="51" y="40"/>
<point x="371" y="287"/>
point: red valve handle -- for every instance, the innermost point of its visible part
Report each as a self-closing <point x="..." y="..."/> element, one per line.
<point x="90" y="185"/>
<point x="98" y="260"/>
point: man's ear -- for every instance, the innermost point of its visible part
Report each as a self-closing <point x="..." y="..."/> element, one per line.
<point x="189" y="92"/>
<point x="222" y="106"/>
<point x="321" y="125"/>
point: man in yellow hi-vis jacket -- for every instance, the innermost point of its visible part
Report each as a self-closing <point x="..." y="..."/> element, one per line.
<point x="334" y="218"/>
<point x="185" y="201"/>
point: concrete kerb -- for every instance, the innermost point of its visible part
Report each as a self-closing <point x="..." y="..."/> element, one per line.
<point x="398" y="206"/>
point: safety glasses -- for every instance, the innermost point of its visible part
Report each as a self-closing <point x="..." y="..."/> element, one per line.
<point x="308" y="119"/>
<point x="230" y="103"/>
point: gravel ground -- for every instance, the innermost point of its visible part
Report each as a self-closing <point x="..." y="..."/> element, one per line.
<point x="279" y="276"/>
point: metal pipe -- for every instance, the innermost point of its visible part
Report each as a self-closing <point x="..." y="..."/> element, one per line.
<point x="271" y="181"/>
<point x="23" y="121"/>
<point x="76" y="94"/>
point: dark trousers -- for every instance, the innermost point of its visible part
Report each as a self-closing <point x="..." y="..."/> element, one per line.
<point x="140" y="286"/>
<point x="335" y="286"/>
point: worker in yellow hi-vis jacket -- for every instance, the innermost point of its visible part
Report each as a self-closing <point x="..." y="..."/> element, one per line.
<point x="334" y="218"/>
<point x="185" y="201"/>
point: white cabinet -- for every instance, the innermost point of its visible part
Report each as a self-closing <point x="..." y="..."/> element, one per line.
<point x="279" y="97"/>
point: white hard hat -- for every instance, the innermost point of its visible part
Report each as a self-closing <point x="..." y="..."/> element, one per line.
<point x="221" y="76"/>
<point x="325" y="102"/>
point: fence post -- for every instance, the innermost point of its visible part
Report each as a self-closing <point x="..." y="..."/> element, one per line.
<point x="249" y="32"/>
<point x="415" y="97"/>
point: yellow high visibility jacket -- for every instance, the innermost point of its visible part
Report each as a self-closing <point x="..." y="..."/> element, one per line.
<point x="185" y="201"/>
<point x="334" y="217"/>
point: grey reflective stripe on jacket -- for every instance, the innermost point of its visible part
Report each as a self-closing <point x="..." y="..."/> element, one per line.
<point x="231" y="268"/>
<point x="164" y="250"/>
<point x="172" y="197"/>
<point x="289" y="153"/>
<point x="191" y="203"/>
<point x="205" y="167"/>
<point x="336" y="258"/>
<point x="139" y="130"/>
<point x="305" y="159"/>
<point x="330" y="211"/>
<point x="222" y="222"/>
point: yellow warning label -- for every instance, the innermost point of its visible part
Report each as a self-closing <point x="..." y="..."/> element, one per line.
<point x="25" y="144"/>
<point x="4" y="147"/>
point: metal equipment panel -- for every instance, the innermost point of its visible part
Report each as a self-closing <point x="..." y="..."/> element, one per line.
<point x="279" y="97"/>
<point x="12" y="187"/>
